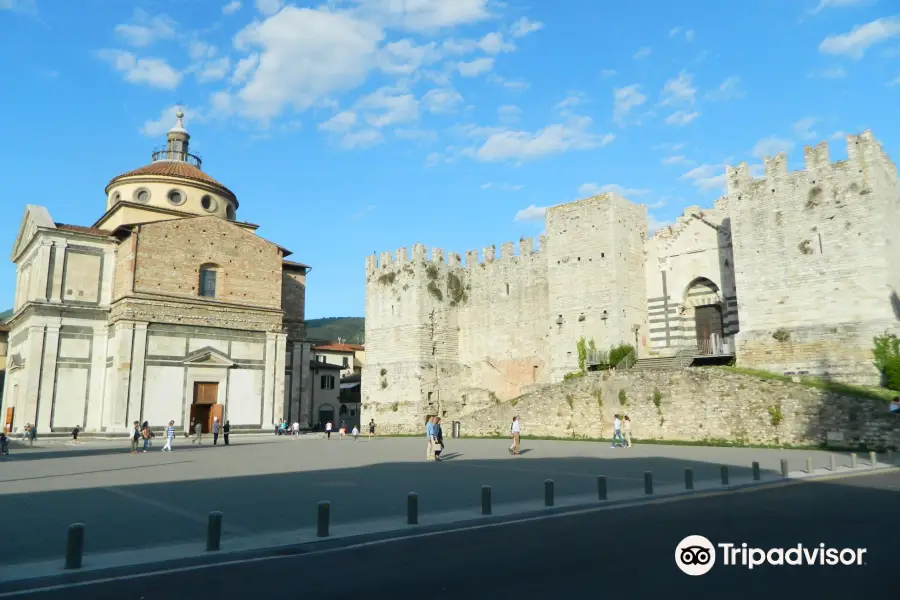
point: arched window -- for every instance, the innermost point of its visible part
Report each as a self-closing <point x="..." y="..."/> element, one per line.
<point x="208" y="280"/>
<point x="343" y="410"/>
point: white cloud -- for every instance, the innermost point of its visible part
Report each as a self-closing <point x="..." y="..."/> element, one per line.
<point x="654" y="224"/>
<point x="515" y="85"/>
<point x="532" y="213"/>
<point x="671" y="147"/>
<point x="344" y="49"/>
<point x="565" y="106"/>
<point x="803" y="128"/>
<point x="823" y="4"/>
<point x="503" y="187"/>
<point x="643" y="53"/>
<point x="244" y="68"/>
<point x="688" y="34"/>
<point x="385" y="107"/>
<point x="340" y="122"/>
<point x="362" y="212"/>
<point x="361" y="139"/>
<point x="415" y="134"/>
<point x="553" y="139"/>
<point x="269" y="7"/>
<point x="166" y="121"/>
<point x="771" y="146"/>
<point x="838" y="135"/>
<point x="624" y="100"/>
<point x="679" y="90"/>
<point x="404" y="57"/>
<point x="855" y="43"/>
<point x="154" y="72"/>
<point x="524" y="26"/>
<point x="592" y="189"/>
<point x="442" y="101"/>
<point x="706" y="177"/>
<point x="144" y="29"/>
<point x="231" y="8"/>
<point x="681" y="118"/>
<point x="475" y="67"/>
<point x="28" y="7"/>
<point x="509" y="113"/>
<point x="677" y="160"/>
<point x="894" y="82"/>
<point x="200" y="50"/>
<point x="832" y="73"/>
<point x="424" y="15"/>
<point x="730" y="89"/>
<point x="493" y="43"/>
<point x="607" y="73"/>
<point x="214" y="70"/>
<point x="433" y="159"/>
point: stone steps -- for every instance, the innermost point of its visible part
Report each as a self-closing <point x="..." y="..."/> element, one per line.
<point x="656" y="362"/>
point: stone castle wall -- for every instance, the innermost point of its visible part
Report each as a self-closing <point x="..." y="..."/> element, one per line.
<point x="815" y="260"/>
<point x="697" y="404"/>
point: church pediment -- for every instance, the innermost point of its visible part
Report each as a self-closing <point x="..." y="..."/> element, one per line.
<point x="208" y="357"/>
<point x="36" y="218"/>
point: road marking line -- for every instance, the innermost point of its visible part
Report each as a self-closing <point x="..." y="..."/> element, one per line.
<point x="259" y="559"/>
<point x="226" y="526"/>
<point x="548" y="472"/>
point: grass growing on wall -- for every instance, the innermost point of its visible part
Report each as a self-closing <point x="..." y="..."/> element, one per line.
<point x="856" y="391"/>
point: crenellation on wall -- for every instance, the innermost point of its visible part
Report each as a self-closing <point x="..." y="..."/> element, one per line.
<point x="793" y="271"/>
<point x="402" y="256"/>
<point x="387" y="259"/>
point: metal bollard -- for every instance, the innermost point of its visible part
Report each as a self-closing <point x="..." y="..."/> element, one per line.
<point x="809" y="467"/>
<point x="412" y="509"/>
<point x="214" y="532"/>
<point x="648" y="482"/>
<point x="832" y="463"/>
<point x="548" y="492"/>
<point x="724" y="470"/>
<point x="601" y="488"/>
<point x="873" y="459"/>
<point x="853" y="460"/>
<point x="784" y="467"/>
<point x="485" y="499"/>
<point x="756" y="473"/>
<point x="75" y="546"/>
<point x="323" y="519"/>
<point x="688" y="479"/>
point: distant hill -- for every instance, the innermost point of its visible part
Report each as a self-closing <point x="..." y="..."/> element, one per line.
<point x="5" y="315"/>
<point x="351" y="329"/>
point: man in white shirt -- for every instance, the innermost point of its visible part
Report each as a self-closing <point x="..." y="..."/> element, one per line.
<point x="515" y="429"/>
<point x="295" y="430"/>
<point x="617" y="432"/>
<point x="328" y="430"/>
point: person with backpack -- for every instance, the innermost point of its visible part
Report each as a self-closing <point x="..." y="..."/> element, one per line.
<point x="135" y="436"/>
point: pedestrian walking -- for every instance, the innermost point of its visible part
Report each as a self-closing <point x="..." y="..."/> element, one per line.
<point x="146" y="434"/>
<point x="372" y="428"/>
<point x="515" y="429"/>
<point x="75" y="434"/>
<point x="216" y="426"/>
<point x="328" y="430"/>
<point x="226" y="430"/>
<point x="437" y="437"/>
<point x="170" y="436"/>
<point x="343" y="429"/>
<point x="429" y="433"/>
<point x="355" y="433"/>
<point x="295" y="430"/>
<point x="626" y="430"/>
<point x="617" y="440"/>
<point x="198" y="433"/>
<point x="135" y="437"/>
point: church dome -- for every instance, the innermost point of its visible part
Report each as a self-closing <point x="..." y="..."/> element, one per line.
<point x="174" y="181"/>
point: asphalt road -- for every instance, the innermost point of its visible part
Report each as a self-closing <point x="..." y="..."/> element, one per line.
<point x="616" y="553"/>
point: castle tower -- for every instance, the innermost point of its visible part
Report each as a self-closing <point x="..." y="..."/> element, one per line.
<point x="171" y="186"/>
<point x="597" y="286"/>
<point x="815" y="256"/>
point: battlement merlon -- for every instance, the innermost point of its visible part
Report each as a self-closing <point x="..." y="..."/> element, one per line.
<point x="736" y="178"/>
<point x="420" y="254"/>
<point x="865" y="149"/>
<point x="776" y="166"/>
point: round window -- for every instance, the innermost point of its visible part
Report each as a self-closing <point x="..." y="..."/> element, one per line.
<point x="142" y="195"/>
<point x="116" y="197"/>
<point x="208" y="203"/>
<point x="176" y="197"/>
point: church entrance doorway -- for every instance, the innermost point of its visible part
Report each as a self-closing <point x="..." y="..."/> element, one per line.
<point x="709" y="328"/>
<point x="205" y="408"/>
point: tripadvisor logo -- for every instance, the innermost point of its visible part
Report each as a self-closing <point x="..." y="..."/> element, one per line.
<point x="696" y="555"/>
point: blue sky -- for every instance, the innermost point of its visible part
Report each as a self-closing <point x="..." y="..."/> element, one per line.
<point x="354" y="126"/>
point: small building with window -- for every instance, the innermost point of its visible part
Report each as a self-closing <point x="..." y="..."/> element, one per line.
<point x="350" y="357"/>
<point x="167" y="307"/>
<point x="326" y="388"/>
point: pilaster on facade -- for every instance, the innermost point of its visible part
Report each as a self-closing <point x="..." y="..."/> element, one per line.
<point x="136" y="379"/>
<point x="39" y="280"/>
<point x="48" y="378"/>
<point x="270" y="372"/>
<point x="280" y="358"/>
<point x="94" y="415"/>
<point x="33" y="362"/>
<point x="59" y="265"/>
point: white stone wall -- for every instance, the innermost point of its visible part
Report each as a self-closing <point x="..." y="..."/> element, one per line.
<point x="813" y="258"/>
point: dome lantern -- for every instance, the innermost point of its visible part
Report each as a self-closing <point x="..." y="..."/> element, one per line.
<point x="178" y="144"/>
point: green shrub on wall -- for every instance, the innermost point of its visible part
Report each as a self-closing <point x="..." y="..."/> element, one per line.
<point x="618" y="353"/>
<point x="892" y="373"/>
<point x="887" y="358"/>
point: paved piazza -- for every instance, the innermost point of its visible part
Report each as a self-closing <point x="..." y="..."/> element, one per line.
<point x="264" y="484"/>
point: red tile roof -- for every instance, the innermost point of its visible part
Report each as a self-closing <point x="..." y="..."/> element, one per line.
<point x="339" y="347"/>
<point x="290" y="263"/>
<point x="87" y="230"/>
<point x="172" y="168"/>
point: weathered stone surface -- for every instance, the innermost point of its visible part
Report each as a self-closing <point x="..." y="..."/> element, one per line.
<point x="692" y="405"/>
